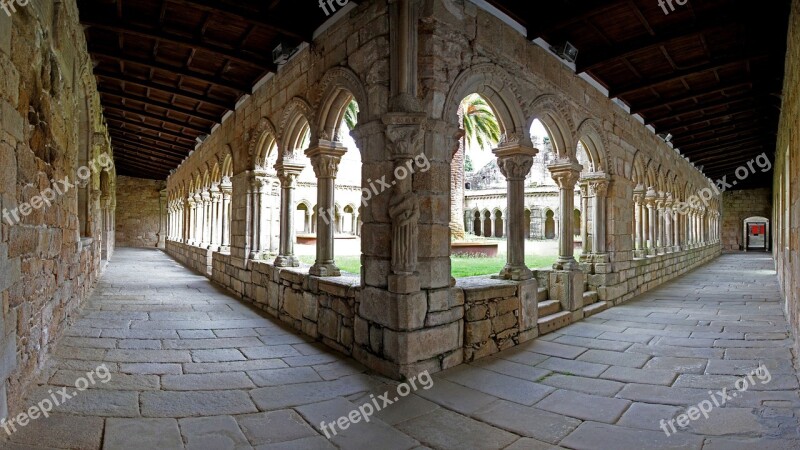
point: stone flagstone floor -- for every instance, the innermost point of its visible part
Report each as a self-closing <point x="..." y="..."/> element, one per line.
<point x="192" y="367"/>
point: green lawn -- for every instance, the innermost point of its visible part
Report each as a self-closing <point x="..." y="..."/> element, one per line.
<point x="460" y="267"/>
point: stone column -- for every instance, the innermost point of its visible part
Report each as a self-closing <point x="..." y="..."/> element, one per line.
<point x="565" y="172"/>
<point x="307" y="226"/>
<point x="515" y="162"/>
<point x="188" y="224"/>
<point x="257" y="225"/>
<point x="405" y="134"/>
<point x="216" y="218"/>
<point x="598" y="189"/>
<point x="676" y="228"/>
<point x="325" y="158"/>
<point x="668" y="223"/>
<point x="198" y="219"/>
<point x="587" y="248"/>
<point x="638" y="199"/>
<point x="650" y="201"/>
<point x="660" y="219"/>
<point x="227" y="190"/>
<point x="288" y="171"/>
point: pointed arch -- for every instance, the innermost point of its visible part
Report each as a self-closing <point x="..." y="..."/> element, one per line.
<point x="338" y="87"/>
<point x="296" y="121"/>
<point x="554" y="115"/>
<point x="595" y="143"/>
<point x="263" y="145"/>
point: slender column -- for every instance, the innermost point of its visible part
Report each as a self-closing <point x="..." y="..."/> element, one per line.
<point x="676" y="229"/>
<point x="216" y="218"/>
<point x="288" y="171"/>
<point x="354" y="226"/>
<point x="257" y="222"/>
<point x="198" y="220"/>
<point x="650" y="200"/>
<point x="565" y="172"/>
<point x="325" y="158"/>
<point x="660" y="223"/>
<point x="227" y="190"/>
<point x="587" y="247"/>
<point x="638" y="198"/>
<point x="668" y="223"/>
<point x="515" y="162"/>
<point x="598" y="190"/>
<point x="274" y="200"/>
<point x="188" y="206"/>
<point x="307" y="226"/>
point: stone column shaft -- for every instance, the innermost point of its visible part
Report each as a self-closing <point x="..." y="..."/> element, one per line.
<point x="288" y="171"/>
<point x="325" y="158"/>
<point x="566" y="173"/>
<point x="515" y="162"/>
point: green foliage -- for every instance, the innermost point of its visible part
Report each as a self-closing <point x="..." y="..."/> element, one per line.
<point x="468" y="163"/>
<point x="351" y="115"/>
<point x="480" y="123"/>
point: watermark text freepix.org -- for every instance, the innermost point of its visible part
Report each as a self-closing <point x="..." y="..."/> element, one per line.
<point x="328" y="8"/>
<point x="717" y="399"/>
<point x="380" y="185"/>
<point x="57" y="188"/>
<point x="57" y="398"/>
<point x="376" y="404"/>
<point x="10" y="6"/>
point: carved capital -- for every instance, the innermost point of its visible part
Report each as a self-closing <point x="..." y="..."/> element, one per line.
<point x="566" y="173"/>
<point x="405" y="134"/>
<point x="514" y="159"/>
<point x="288" y="171"/>
<point x="598" y="188"/>
<point x="325" y="158"/>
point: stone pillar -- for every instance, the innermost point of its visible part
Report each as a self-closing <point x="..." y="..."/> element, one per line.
<point x="227" y="190"/>
<point x="198" y="219"/>
<point x="216" y="218"/>
<point x="565" y="172"/>
<point x="405" y="135"/>
<point x="515" y="162"/>
<point x="598" y="190"/>
<point x="307" y="226"/>
<point x="650" y="200"/>
<point x="163" y="222"/>
<point x="676" y="229"/>
<point x="639" y="211"/>
<point x="288" y="171"/>
<point x="275" y="219"/>
<point x="668" y="223"/>
<point x="256" y="193"/>
<point x="188" y="207"/>
<point x="587" y="248"/>
<point x="660" y="220"/>
<point x="325" y="158"/>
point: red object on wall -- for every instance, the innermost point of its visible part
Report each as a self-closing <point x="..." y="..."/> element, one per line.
<point x="757" y="230"/>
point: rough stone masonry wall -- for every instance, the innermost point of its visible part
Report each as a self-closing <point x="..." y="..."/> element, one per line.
<point x="738" y="206"/>
<point x="138" y="212"/>
<point x="48" y="111"/>
<point x="786" y="189"/>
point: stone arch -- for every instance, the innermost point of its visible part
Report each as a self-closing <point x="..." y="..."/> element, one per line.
<point x="297" y="119"/>
<point x="227" y="162"/>
<point x="497" y="87"/>
<point x="338" y="87"/>
<point x="262" y="142"/>
<point x="554" y="115"/>
<point x="595" y="143"/>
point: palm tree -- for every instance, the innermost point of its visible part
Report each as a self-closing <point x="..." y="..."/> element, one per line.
<point x="351" y="115"/>
<point x="480" y="127"/>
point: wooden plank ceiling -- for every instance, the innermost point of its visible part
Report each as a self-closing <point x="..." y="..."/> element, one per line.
<point x="710" y="72"/>
<point x="169" y="70"/>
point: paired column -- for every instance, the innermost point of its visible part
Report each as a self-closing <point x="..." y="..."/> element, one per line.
<point x="660" y="221"/>
<point x="584" y="186"/>
<point x="325" y="158"/>
<point x="225" y="239"/>
<point x="256" y="192"/>
<point x="288" y="171"/>
<point x="669" y="223"/>
<point x="566" y="172"/>
<point x="216" y="218"/>
<point x="650" y="201"/>
<point x="515" y="162"/>
<point x="197" y="231"/>
<point x="639" y="212"/>
<point x="598" y="190"/>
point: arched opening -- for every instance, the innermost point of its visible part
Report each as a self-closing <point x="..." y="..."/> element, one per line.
<point x="498" y="224"/>
<point x="487" y="224"/>
<point x="756" y="234"/>
<point x="527" y="224"/>
<point x="349" y="225"/>
<point x="549" y="225"/>
<point x="477" y="223"/>
<point x="302" y="220"/>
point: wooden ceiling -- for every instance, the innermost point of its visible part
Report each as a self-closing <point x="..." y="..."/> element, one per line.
<point x="169" y="70"/>
<point x="710" y="72"/>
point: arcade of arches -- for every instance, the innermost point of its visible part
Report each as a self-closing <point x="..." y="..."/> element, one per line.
<point x="271" y="173"/>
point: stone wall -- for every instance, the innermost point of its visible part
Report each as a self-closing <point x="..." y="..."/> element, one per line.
<point x="50" y="125"/>
<point x="138" y="212"/>
<point x="738" y="206"/>
<point x="786" y="188"/>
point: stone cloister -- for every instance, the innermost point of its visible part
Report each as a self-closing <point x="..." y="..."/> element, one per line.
<point x="219" y="328"/>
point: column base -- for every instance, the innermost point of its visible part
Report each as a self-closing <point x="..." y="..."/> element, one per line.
<point x="566" y="264"/>
<point x="328" y="269"/>
<point x="224" y="249"/>
<point x="404" y="283"/>
<point x="514" y="273"/>
<point x="287" y="261"/>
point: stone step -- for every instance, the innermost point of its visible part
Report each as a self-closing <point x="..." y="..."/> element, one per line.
<point x="595" y="308"/>
<point x="589" y="298"/>
<point x="542" y="294"/>
<point x="549" y="307"/>
<point x="553" y="322"/>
